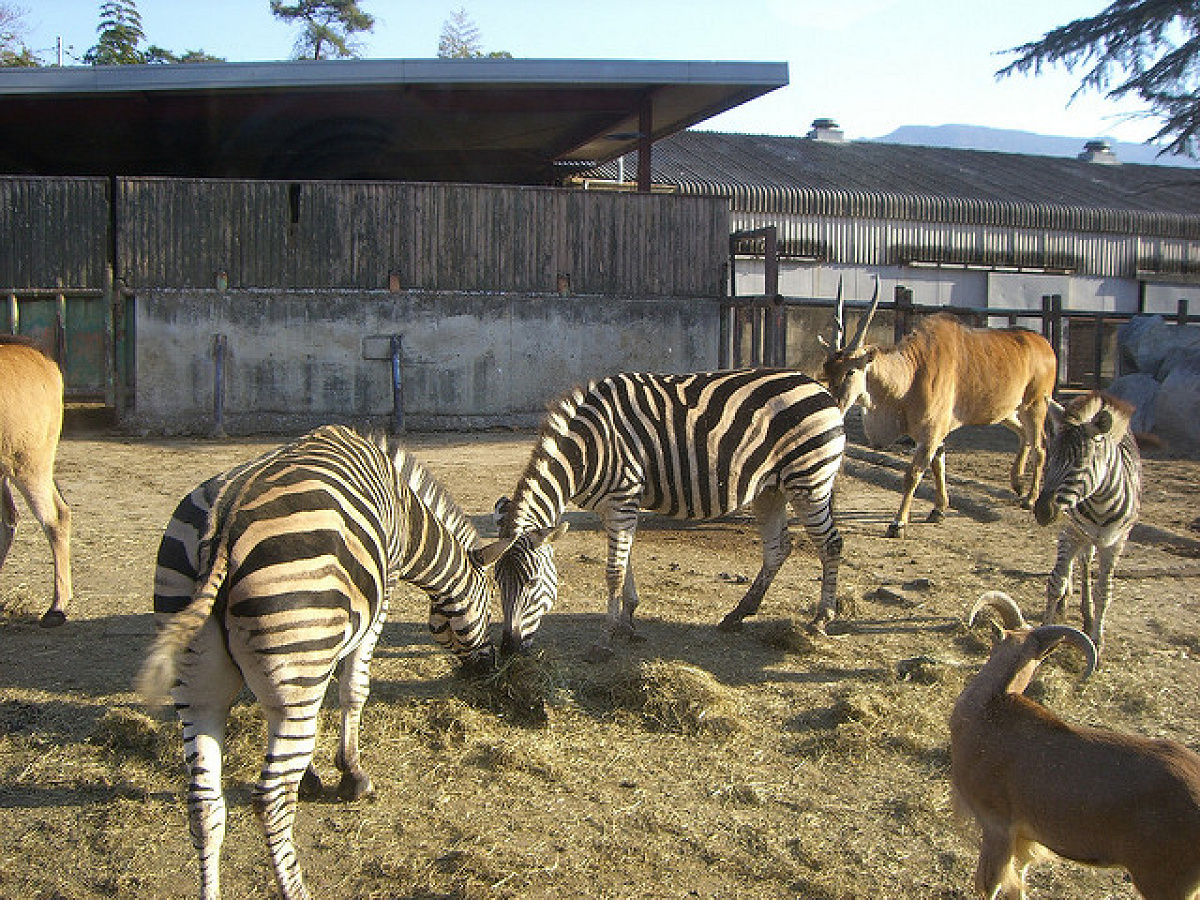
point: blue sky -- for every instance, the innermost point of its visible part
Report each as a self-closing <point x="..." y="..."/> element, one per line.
<point x="873" y="65"/>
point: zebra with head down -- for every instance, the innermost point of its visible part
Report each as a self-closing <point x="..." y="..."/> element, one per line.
<point x="274" y="575"/>
<point x="693" y="447"/>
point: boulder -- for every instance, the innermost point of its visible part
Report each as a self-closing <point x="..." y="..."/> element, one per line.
<point x="1177" y="407"/>
<point x="1146" y="341"/>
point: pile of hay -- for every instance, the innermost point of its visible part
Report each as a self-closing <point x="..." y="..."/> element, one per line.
<point x="675" y="696"/>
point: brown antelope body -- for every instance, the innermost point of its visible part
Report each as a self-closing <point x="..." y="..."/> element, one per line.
<point x="31" y="412"/>
<point x="940" y="377"/>
<point x="1032" y="780"/>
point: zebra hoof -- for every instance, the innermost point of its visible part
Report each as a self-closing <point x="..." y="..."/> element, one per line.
<point x="311" y="787"/>
<point x="936" y="516"/>
<point x="599" y="653"/>
<point x="895" y="530"/>
<point x="1026" y="503"/>
<point x="354" y="786"/>
<point x="53" y="618"/>
<point x="730" y="624"/>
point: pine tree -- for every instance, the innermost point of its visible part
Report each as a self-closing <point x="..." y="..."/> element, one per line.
<point x="328" y="26"/>
<point x="120" y="31"/>
<point x="1148" y="49"/>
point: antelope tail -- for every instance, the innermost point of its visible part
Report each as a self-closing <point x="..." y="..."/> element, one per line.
<point x="157" y="675"/>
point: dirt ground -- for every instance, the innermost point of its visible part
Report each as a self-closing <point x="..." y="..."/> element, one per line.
<point x="824" y="775"/>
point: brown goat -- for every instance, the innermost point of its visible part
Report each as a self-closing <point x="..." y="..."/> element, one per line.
<point x="940" y="377"/>
<point x="31" y="413"/>
<point x="1091" y="795"/>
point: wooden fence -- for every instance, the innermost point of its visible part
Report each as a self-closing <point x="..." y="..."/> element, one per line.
<point x="166" y="233"/>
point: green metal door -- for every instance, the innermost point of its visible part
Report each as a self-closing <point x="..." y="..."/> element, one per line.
<point x="74" y="329"/>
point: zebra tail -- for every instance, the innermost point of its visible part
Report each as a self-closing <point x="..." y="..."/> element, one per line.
<point x="157" y="675"/>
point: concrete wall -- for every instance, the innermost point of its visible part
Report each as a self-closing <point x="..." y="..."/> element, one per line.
<point x="297" y="359"/>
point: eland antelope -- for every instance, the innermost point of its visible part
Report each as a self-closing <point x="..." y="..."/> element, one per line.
<point x="31" y="414"/>
<point x="940" y="377"/>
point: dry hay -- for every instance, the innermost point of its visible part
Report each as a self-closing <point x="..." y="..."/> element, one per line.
<point x="678" y="697"/>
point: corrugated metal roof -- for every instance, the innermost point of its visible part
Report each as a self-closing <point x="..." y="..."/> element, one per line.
<point x="801" y="176"/>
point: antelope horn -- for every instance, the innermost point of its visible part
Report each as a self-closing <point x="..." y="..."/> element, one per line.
<point x="1004" y="606"/>
<point x="1048" y="636"/>
<point x="865" y="321"/>
<point x="839" y="319"/>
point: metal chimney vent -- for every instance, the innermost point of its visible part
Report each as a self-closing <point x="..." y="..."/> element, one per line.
<point x="1099" y="152"/>
<point x="826" y="130"/>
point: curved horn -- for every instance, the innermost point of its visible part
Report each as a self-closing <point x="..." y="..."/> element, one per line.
<point x="1048" y="636"/>
<point x="839" y="319"/>
<point x="865" y="321"/>
<point x="1005" y="607"/>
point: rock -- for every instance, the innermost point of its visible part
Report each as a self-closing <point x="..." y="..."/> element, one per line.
<point x="1177" y="408"/>
<point x="1145" y="342"/>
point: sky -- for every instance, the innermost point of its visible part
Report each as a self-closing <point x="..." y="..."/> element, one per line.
<point x="872" y="65"/>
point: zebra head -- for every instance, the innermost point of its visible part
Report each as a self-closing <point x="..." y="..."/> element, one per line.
<point x="1082" y="438"/>
<point x="528" y="583"/>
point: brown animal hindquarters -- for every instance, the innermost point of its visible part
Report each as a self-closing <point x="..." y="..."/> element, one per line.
<point x="31" y="412"/>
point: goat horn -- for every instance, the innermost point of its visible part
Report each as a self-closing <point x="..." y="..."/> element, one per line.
<point x="1005" y="607"/>
<point x="839" y="319"/>
<point x="865" y="321"/>
<point x="1048" y="636"/>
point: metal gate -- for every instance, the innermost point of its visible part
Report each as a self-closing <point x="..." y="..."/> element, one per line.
<point x="74" y="328"/>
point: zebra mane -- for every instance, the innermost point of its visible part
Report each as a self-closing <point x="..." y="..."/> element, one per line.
<point x="1085" y="408"/>
<point x="559" y="414"/>
<point x="433" y="496"/>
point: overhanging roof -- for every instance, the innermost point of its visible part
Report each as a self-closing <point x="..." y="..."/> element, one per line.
<point x="516" y="121"/>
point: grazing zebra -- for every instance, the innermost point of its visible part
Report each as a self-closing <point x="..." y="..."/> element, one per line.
<point x="1094" y="475"/>
<point x="271" y="575"/>
<point x="685" y="446"/>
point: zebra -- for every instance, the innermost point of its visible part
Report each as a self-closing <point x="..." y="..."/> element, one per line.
<point x="275" y="573"/>
<point x="1094" y="475"/>
<point x="690" y="446"/>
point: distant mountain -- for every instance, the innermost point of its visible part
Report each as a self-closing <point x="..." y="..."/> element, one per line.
<point x="979" y="137"/>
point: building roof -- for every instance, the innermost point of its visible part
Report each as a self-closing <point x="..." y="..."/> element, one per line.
<point x="807" y="176"/>
<point x="473" y="120"/>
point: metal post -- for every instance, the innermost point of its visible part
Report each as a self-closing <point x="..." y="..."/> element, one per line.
<point x="219" y="353"/>
<point x="14" y="315"/>
<point x="1182" y="315"/>
<point x="397" y="343"/>
<point x="904" y="303"/>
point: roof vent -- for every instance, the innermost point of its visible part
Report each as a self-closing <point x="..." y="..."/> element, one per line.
<point x="1099" y="152"/>
<point x="826" y="131"/>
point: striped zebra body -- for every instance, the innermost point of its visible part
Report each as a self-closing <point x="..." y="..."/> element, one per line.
<point x="1093" y="475"/>
<point x="692" y="447"/>
<point x="275" y="575"/>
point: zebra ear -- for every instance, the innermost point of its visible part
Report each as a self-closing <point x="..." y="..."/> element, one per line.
<point x="546" y="535"/>
<point x="1103" y="422"/>
<point x="485" y="557"/>
<point x="1054" y="416"/>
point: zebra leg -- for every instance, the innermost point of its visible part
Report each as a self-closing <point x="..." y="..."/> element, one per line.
<point x="1094" y="624"/>
<point x="620" y="523"/>
<point x="8" y="518"/>
<point x="770" y="512"/>
<point x="941" y="502"/>
<point x="291" y="739"/>
<point x="207" y="684"/>
<point x="354" y="685"/>
<point x="816" y="508"/>
<point x="1058" y="587"/>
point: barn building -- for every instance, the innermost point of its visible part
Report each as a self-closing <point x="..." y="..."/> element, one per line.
<point x="450" y="243"/>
